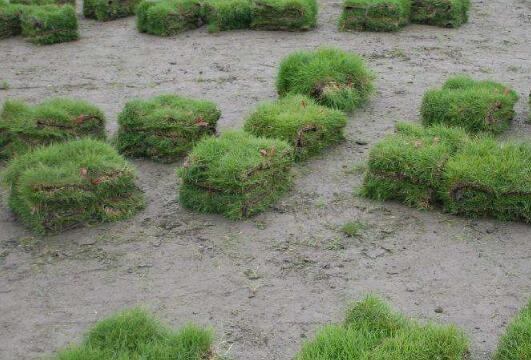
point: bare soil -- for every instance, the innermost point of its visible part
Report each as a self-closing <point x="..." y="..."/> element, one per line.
<point x="266" y="284"/>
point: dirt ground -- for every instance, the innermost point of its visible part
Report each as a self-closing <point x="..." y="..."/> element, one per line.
<point x="266" y="284"/>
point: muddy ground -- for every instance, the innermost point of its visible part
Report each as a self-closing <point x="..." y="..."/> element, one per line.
<point x="266" y="284"/>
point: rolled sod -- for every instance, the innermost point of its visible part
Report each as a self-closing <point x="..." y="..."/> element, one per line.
<point x="444" y="13"/>
<point x="137" y="334"/>
<point x="237" y="174"/>
<point x="333" y="77"/>
<point x="44" y="2"/>
<point x="169" y="17"/>
<point x="223" y="15"/>
<point x="408" y="166"/>
<point x="488" y="178"/>
<point x="70" y="184"/>
<point x="477" y="106"/>
<point x="50" y="24"/>
<point x="515" y="343"/>
<point x="375" y="15"/>
<point x="23" y="126"/>
<point x="287" y="15"/>
<point x="373" y="331"/>
<point x="105" y="10"/>
<point x="299" y="120"/>
<point x="164" y="128"/>
<point x="10" y="19"/>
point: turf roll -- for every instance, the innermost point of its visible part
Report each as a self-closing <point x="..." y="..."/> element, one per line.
<point x="70" y="184"/>
<point x="333" y="77"/>
<point x="444" y="13"/>
<point x="408" y="166"/>
<point x="375" y="15"/>
<point x="10" y="19"/>
<point x="286" y="15"/>
<point x="477" y="106"/>
<point x="169" y="17"/>
<point x="50" y="24"/>
<point x="164" y="128"/>
<point x="223" y="15"/>
<point x="105" y="10"/>
<point x="299" y="120"/>
<point x="488" y="178"/>
<point x="23" y="126"/>
<point x="237" y="174"/>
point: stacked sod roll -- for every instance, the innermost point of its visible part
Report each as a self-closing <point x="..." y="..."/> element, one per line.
<point x="223" y="15"/>
<point x="375" y="15"/>
<point x="50" y="24"/>
<point x="444" y="13"/>
<point x="136" y="334"/>
<point x="334" y="78"/>
<point x="515" y="343"/>
<point x="299" y="120"/>
<point x="23" y="126"/>
<point x="105" y="10"/>
<point x="371" y="330"/>
<point x="477" y="106"/>
<point x="169" y="17"/>
<point x="236" y="174"/>
<point x="70" y="184"/>
<point x="288" y="15"/>
<point x="165" y="127"/>
<point x="408" y="166"/>
<point x="10" y="19"/>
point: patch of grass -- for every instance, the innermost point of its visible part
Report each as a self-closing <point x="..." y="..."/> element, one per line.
<point x="50" y="24"/>
<point x="373" y="331"/>
<point x="375" y="15"/>
<point x="169" y="17"/>
<point x="353" y="228"/>
<point x="300" y="121"/>
<point x="487" y="178"/>
<point x="10" y="19"/>
<point x="223" y="15"/>
<point x="4" y="85"/>
<point x="69" y="184"/>
<point x="333" y="77"/>
<point x="515" y="344"/>
<point x="136" y="334"/>
<point x="236" y="174"/>
<point x="105" y="10"/>
<point x="444" y="13"/>
<point x="23" y="127"/>
<point x="44" y="2"/>
<point x="476" y="106"/>
<point x="287" y="15"/>
<point x="408" y="165"/>
<point x="164" y="128"/>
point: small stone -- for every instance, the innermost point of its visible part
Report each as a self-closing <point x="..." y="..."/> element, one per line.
<point x="439" y="310"/>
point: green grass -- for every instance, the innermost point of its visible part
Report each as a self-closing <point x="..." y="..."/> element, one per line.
<point x="444" y="13"/>
<point x="23" y="127"/>
<point x="286" y="15"/>
<point x="487" y="178"/>
<point x="333" y="77"/>
<point x="105" y="10"/>
<point x="223" y="15"/>
<point x="353" y="228"/>
<point x="407" y="166"/>
<point x="477" y="106"/>
<point x="237" y="174"/>
<point x="50" y="24"/>
<point x="373" y="331"/>
<point x="164" y="128"/>
<point x="136" y="334"/>
<point x="375" y="15"/>
<point x="299" y="120"/>
<point x="44" y="2"/>
<point x="515" y="344"/>
<point x="169" y="17"/>
<point x="10" y="19"/>
<point x="69" y="184"/>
